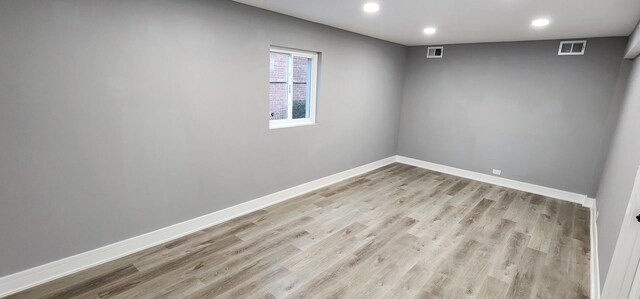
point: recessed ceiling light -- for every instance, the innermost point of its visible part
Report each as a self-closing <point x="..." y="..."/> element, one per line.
<point x="371" y="7"/>
<point x="429" y="30"/>
<point x="540" y="22"/>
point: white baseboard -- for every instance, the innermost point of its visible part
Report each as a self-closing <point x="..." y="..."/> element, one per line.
<point x="31" y="277"/>
<point x="527" y="187"/>
<point x="531" y="188"/>
<point x="595" y="268"/>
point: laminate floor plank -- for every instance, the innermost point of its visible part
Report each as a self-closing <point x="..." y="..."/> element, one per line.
<point x="394" y="232"/>
<point x="495" y="289"/>
<point x="410" y="283"/>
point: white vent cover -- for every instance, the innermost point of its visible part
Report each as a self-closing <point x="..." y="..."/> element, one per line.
<point x="575" y="47"/>
<point x="435" y="52"/>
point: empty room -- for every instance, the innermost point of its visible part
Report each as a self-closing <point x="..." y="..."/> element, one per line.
<point x="320" y="149"/>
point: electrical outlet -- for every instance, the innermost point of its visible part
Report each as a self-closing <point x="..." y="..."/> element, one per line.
<point x="497" y="171"/>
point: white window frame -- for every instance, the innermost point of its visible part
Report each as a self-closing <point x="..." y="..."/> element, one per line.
<point x="311" y="120"/>
<point x="584" y="47"/>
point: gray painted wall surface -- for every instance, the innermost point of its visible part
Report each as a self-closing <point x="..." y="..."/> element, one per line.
<point x="519" y="107"/>
<point x="619" y="174"/>
<point x="122" y="117"/>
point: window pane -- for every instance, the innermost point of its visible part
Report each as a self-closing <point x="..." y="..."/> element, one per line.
<point x="292" y="75"/>
<point x="278" y="88"/>
<point x="301" y="87"/>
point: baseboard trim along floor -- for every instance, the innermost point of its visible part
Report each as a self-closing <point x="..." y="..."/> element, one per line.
<point x="490" y="179"/>
<point x="31" y="277"/>
<point x="531" y="188"/>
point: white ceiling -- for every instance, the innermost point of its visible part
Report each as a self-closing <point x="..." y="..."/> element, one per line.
<point x="466" y="21"/>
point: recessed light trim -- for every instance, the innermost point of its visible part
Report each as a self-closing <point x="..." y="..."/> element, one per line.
<point x="371" y="7"/>
<point x="429" y="30"/>
<point x="540" y="22"/>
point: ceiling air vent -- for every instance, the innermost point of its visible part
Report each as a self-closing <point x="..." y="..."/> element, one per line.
<point x="575" y="47"/>
<point x="434" y="52"/>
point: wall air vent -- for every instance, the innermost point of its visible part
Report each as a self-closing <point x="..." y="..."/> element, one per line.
<point x="434" y="52"/>
<point x="575" y="47"/>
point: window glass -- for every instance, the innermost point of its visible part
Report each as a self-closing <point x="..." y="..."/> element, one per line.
<point x="292" y="86"/>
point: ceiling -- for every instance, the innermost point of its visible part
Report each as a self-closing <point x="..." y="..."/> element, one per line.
<point x="466" y="21"/>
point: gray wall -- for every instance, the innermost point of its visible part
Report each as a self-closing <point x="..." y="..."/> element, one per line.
<point x="619" y="174"/>
<point x="519" y="107"/>
<point x="122" y="117"/>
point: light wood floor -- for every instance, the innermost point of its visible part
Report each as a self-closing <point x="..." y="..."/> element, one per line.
<point x="396" y="232"/>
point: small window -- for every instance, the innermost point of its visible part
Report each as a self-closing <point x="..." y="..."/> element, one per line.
<point x="434" y="52"/>
<point x="293" y="77"/>
<point x="572" y="47"/>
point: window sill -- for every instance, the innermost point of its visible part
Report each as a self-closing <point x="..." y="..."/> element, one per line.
<point x="284" y="125"/>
